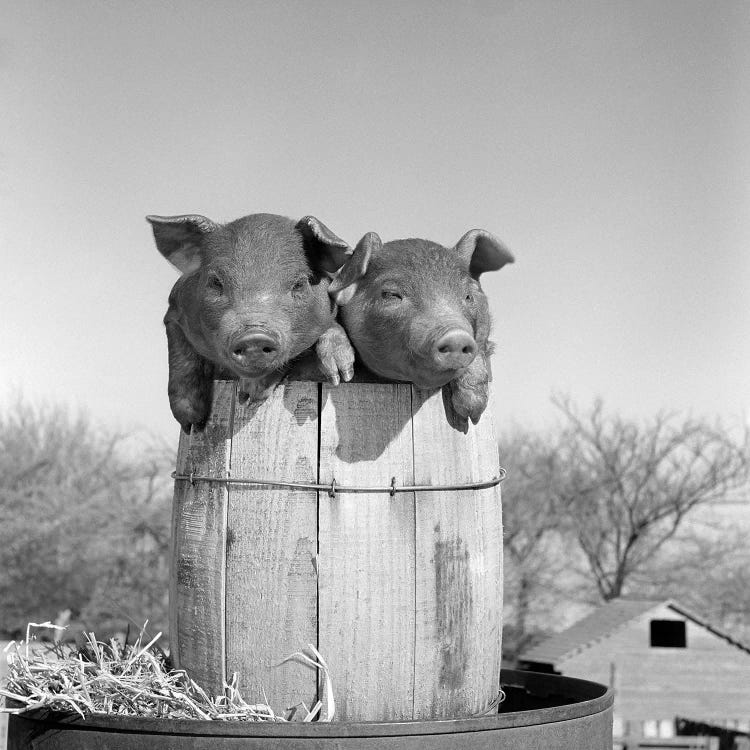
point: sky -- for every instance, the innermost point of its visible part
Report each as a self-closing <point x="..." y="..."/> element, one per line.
<point x="606" y="143"/>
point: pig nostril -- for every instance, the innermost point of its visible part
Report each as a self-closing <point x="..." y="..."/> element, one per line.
<point x="253" y="346"/>
<point x="456" y="348"/>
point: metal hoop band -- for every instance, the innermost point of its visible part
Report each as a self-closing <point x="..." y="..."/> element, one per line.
<point x="333" y="488"/>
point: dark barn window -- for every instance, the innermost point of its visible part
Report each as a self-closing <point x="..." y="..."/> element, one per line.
<point x="668" y="634"/>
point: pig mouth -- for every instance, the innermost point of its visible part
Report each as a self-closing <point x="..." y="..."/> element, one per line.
<point x="437" y="379"/>
<point x="423" y="376"/>
<point x="259" y="370"/>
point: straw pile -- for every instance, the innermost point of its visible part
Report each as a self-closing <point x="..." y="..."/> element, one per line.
<point x="134" y="680"/>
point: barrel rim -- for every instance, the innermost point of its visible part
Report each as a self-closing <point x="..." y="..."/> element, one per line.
<point x="585" y="698"/>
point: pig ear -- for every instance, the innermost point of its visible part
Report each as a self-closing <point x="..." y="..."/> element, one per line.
<point x="344" y="283"/>
<point x="180" y="238"/>
<point x="483" y="252"/>
<point x="326" y="251"/>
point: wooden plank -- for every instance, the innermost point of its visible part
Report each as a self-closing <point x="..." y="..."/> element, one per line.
<point x="183" y="466"/>
<point x="458" y="564"/>
<point x="366" y="559"/>
<point x="659" y="683"/>
<point x="198" y="553"/>
<point x="272" y="543"/>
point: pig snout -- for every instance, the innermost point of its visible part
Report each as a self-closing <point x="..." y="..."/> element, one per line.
<point x="254" y="349"/>
<point x="454" y="350"/>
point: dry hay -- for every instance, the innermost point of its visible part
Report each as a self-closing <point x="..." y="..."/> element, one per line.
<point x="134" y="680"/>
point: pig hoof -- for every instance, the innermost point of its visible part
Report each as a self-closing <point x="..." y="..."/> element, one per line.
<point x="455" y="420"/>
<point x="189" y="414"/>
<point x="469" y="411"/>
<point x="345" y="362"/>
<point x="336" y="356"/>
<point x="467" y="402"/>
<point x="335" y="369"/>
<point x="347" y="373"/>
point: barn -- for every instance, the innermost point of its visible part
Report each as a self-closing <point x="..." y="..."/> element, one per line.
<point x="668" y="667"/>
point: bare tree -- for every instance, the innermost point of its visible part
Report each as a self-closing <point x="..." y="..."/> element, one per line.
<point x="84" y="518"/>
<point x="709" y="573"/>
<point x="627" y="487"/>
<point x="532" y="529"/>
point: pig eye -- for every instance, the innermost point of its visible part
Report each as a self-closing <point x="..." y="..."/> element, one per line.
<point x="300" y="284"/>
<point x="469" y="297"/>
<point x="214" y="283"/>
<point x="390" y="296"/>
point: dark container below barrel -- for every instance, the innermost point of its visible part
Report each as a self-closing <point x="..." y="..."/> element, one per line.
<point x="540" y="712"/>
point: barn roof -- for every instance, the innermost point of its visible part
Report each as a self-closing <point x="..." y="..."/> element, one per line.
<point x="604" y="621"/>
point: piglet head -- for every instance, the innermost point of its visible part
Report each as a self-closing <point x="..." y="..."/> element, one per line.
<point x="414" y="310"/>
<point x="253" y="293"/>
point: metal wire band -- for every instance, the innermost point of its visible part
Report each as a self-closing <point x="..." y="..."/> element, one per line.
<point x="332" y="488"/>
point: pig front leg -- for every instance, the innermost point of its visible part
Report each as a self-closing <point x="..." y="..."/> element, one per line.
<point x="190" y="383"/>
<point x="467" y="394"/>
<point x="335" y="354"/>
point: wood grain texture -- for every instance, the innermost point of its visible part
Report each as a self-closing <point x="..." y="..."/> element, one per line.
<point x="661" y="683"/>
<point x="458" y="565"/>
<point x="198" y="551"/>
<point x="271" y="546"/>
<point x="366" y="561"/>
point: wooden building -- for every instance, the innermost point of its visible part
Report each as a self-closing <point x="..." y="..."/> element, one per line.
<point x="663" y="662"/>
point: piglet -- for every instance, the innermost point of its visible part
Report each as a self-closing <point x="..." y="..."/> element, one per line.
<point x="252" y="296"/>
<point x="415" y="312"/>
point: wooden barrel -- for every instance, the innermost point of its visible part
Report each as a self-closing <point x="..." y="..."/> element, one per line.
<point x="401" y="592"/>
